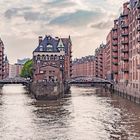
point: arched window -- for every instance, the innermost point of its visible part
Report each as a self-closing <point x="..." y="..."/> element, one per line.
<point x="47" y="57"/>
<point x="60" y="57"/>
<point x="43" y="57"/>
<point x="55" y="57"/>
<point x="52" y="57"/>
<point x="38" y="57"/>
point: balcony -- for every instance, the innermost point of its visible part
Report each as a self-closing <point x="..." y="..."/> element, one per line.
<point x="138" y="66"/>
<point x="138" y="39"/>
<point x="138" y="28"/>
<point x="125" y="58"/>
<point x="115" y="71"/>
<point x="114" y="29"/>
<point x="115" y="63"/>
<point x="124" y="42"/>
<point x="138" y="17"/>
<point x="138" y="50"/>
<point x="125" y="70"/>
<point x="125" y="50"/>
<point x="115" y="43"/>
<point x="124" y="14"/>
<point x="115" y="37"/>
<point x="124" y="34"/>
<point x="124" y="25"/>
<point x="114" y="49"/>
<point x="115" y="57"/>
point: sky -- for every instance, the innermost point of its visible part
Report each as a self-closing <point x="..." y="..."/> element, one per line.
<point x="87" y="22"/>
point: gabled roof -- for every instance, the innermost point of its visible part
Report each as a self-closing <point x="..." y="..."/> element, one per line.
<point x="48" y="40"/>
<point x="60" y="44"/>
<point x="1" y="43"/>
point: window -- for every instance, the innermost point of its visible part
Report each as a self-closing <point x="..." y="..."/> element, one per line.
<point x="41" y="48"/>
<point x="52" y="57"/>
<point x="60" y="57"/>
<point x="49" y="47"/>
<point x="43" y="57"/>
<point x="47" y="57"/>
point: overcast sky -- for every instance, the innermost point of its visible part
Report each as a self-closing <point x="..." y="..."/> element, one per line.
<point x="87" y="21"/>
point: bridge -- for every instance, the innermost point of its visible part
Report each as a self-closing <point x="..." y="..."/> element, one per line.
<point x="16" y="80"/>
<point x="89" y="80"/>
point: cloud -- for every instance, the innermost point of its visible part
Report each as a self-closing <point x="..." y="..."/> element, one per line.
<point x="61" y="3"/>
<point x="27" y="13"/>
<point x="10" y="13"/>
<point x="78" y="18"/>
<point x="23" y="20"/>
<point x="102" y="25"/>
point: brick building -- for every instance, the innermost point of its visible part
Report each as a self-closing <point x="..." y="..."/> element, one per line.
<point x="1" y="59"/>
<point x="52" y="59"/>
<point x="134" y="45"/>
<point x="6" y="67"/>
<point x="115" y="51"/>
<point x="119" y="59"/>
<point x="100" y="58"/>
<point x="84" y="66"/>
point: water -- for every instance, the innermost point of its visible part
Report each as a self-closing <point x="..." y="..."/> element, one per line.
<point x="86" y="114"/>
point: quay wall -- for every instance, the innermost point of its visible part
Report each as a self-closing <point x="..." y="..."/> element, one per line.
<point x="49" y="90"/>
<point x="127" y="93"/>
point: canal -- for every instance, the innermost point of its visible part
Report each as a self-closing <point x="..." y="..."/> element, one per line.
<point x="86" y="114"/>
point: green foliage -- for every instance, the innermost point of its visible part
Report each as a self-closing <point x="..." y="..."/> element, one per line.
<point x="27" y="70"/>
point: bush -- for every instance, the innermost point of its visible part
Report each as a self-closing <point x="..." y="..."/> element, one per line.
<point x="27" y="70"/>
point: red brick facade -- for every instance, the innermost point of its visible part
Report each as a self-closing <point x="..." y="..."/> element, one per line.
<point x="119" y="59"/>
<point x="84" y="67"/>
<point x="52" y="59"/>
<point x="1" y="59"/>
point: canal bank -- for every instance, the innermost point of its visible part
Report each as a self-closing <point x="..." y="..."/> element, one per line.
<point x="49" y="90"/>
<point x="127" y="92"/>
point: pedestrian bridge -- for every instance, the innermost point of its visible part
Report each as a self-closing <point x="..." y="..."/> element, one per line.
<point x="89" y="80"/>
<point x="16" y="80"/>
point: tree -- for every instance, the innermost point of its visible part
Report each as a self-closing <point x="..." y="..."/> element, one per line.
<point x="27" y="70"/>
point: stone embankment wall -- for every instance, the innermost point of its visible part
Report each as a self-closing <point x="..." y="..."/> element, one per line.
<point x="48" y="91"/>
<point x="127" y="92"/>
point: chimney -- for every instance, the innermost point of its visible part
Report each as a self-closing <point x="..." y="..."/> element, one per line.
<point x="40" y="39"/>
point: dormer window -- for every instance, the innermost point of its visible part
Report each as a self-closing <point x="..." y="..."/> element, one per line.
<point x="49" y="47"/>
<point x="60" y="46"/>
<point x="41" y="48"/>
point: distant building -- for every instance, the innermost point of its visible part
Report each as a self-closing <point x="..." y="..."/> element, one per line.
<point x="100" y="61"/>
<point x="52" y="59"/>
<point x="15" y="70"/>
<point x="22" y="61"/>
<point x="6" y="67"/>
<point x="1" y="59"/>
<point x="18" y="69"/>
<point x="84" y="66"/>
<point x="12" y="71"/>
<point x="121" y="56"/>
